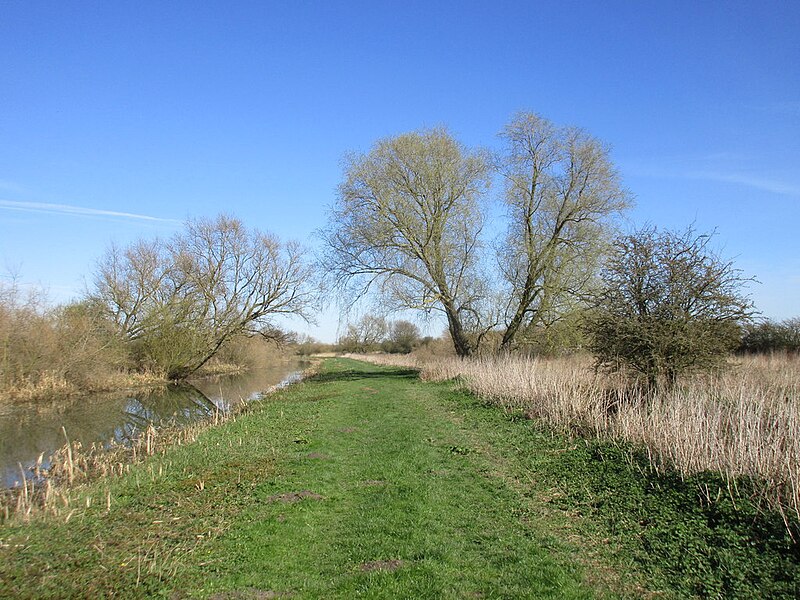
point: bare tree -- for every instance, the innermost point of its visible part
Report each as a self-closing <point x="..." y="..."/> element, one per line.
<point x="135" y="285"/>
<point x="408" y="220"/>
<point x="365" y="335"/>
<point x="181" y="300"/>
<point x="562" y="193"/>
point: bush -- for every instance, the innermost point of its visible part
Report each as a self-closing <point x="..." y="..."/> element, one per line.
<point x="45" y="349"/>
<point x="668" y="305"/>
<point x="768" y="336"/>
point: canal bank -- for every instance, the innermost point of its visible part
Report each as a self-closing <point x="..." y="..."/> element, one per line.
<point x="29" y="431"/>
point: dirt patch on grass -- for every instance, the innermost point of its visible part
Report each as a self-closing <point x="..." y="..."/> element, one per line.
<point x="249" y="594"/>
<point x="439" y="472"/>
<point x="318" y="456"/>
<point x="290" y="497"/>
<point x="373" y="482"/>
<point x="381" y="565"/>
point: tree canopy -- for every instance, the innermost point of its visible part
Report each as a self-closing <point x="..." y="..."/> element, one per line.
<point x="178" y="301"/>
<point x="408" y="219"/>
<point x="562" y="192"/>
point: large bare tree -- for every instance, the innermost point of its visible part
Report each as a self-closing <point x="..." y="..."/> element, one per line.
<point x="408" y="220"/>
<point x="181" y="300"/>
<point x="562" y="192"/>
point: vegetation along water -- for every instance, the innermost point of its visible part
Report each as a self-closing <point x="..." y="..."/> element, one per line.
<point x="29" y="431"/>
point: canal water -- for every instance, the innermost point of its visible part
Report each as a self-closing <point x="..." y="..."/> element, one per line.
<point x="28" y="430"/>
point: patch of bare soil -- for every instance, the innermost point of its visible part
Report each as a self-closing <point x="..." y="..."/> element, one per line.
<point x="290" y="497"/>
<point x="373" y="482"/>
<point x="318" y="456"/>
<point x="381" y="565"/>
<point x="248" y="594"/>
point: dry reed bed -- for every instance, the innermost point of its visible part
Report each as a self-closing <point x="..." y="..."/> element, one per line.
<point x="743" y="422"/>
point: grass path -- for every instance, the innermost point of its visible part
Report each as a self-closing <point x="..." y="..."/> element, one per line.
<point x="383" y="494"/>
<point x="363" y="483"/>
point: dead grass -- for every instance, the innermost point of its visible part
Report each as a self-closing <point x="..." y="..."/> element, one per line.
<point x="54" y="491"/>
<point x="51" y="385"/>
<point x="742" y="422"/>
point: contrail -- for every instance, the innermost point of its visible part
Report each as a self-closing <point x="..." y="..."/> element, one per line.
<point x="78" y="211"/>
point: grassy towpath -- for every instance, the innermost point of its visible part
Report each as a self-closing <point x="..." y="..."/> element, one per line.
<point x="363" y="482"/>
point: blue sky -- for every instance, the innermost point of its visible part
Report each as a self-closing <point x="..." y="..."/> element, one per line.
<point x="121" y="119"/>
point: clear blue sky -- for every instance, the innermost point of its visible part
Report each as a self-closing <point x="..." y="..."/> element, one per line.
<point x="167" y="110"/>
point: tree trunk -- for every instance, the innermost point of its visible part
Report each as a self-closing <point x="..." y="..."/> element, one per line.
<point x="510" y="333"/>
<point x="461" y="343"/>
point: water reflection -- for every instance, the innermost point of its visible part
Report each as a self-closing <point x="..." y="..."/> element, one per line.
<point x="26" y="431"/>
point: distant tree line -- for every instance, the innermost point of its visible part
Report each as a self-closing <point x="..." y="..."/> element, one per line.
<point x="373" y="333"/>
<point x="767" y="337"/>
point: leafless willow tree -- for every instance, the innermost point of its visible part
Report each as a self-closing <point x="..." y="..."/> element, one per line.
<point x="562" y="193"/>
<point x="181" y="300"/>
<point x="408" y="221"/>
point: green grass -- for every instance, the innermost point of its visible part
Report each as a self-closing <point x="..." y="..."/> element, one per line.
<point x="368" y="483"/>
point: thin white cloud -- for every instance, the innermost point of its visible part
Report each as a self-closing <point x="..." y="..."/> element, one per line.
<point x="77" y="211"/>
<point x="11" y="186"/>
<point x="723" y="173"/>
<point x="769" y="185"/>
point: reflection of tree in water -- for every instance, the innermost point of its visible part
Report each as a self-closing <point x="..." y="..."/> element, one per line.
<point x="97" y="420"/>
<point x="173" y="405"/>
<point x="27" y="431"/>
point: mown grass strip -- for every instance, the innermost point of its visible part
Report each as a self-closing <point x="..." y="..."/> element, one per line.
<point x="394" y="504"/>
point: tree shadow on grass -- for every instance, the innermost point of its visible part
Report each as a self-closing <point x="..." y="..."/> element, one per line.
<point x="356" y="374"/>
